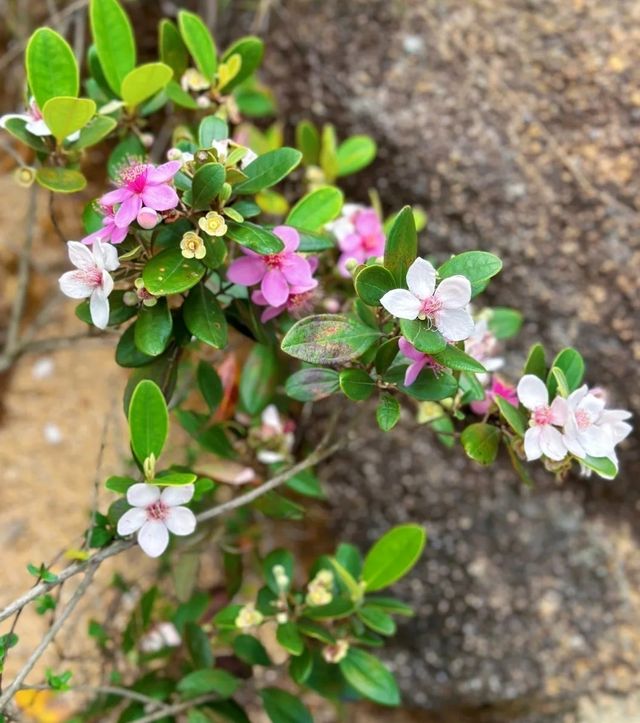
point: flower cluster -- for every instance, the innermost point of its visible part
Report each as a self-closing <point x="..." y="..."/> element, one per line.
<point x="359" y="234"/>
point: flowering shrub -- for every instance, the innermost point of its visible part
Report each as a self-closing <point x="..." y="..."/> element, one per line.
<point x="197" y="262"/>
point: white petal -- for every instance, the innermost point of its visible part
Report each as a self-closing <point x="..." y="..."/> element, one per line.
<point x="99" y="308"/>
<point x="576" y="397"/>
<point x="401" y="303"/>
<point x="597" y="441"/>
<point x="106" y="255"/>
<point x="454" y="324"/>
<point x="559" y="411"/>
<point x="454" y="292"/>
<point x="80" y="256"/>
<point x="180" y="521"/>
<point x="107" y="283"/>
<point x="551" y="443"/>
<point x="9" y="116"/>
<point x="266" y="456"/>
<point x="153" y="538"/>
<point x="592" y="405"/>
<point x="532" y="447"/>
<point x="74" y="285"/>
<point x="532" y="392"/>
<point x="142" y="494"/>
<point x="571" y="440"/>
<point x="173" y="496"/>
<point x="131" y="521"/>
<point x="271" y="417"/>
<point x="38" y="128"/>
<point x="421" y="278"/>
<point x="620" y="431"/>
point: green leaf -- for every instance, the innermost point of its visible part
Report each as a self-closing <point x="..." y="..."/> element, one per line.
<point x="288" y="636"/>
<point x="251" y="650"/>
<point x="328" y="339"/>
<point x="387" y="352"/>
<point x="282" y="707"/>
<point x="389" y="604"/>
<point x="127" y="353"/>
<point x="316" y="631"/>
<point x="197" y="38"/>
<point x="119" y="485"/>
<point x="169" y="478"/>
<point x="454" y="358"/>
<point x="259" y="378"/>
<point x="143" y="82"/>
<point x="210" y="385"/>
<point x="376" y="619"/>
<point x="212" y="128"/>
<point x="401" y="248"/>
<point x="66" y="115"/>
<point x="504" y="323"/>
<point x="114" y="41"/>
<point x="308" y="141"/>
<point x="61" y="180"/>
<point x="328" y="152"/>
<point x="558" y="382"/>
<point x="425" y="339"/>
<point x="198" y="645"/>
<point x="427" y="387"/>
<point x="300" y="667"/>
<point x="356" y="384"/>
<point x="477" y="266"/>
<point x="511" y="414"/>
<point x="173" y="51"/>
<point x="337" y="608"/>
<point x="481" y="442"/>
<point x="250" y="49"/>
<point x="52" y="69"/>
<point x="307" y="484"/>
<point x="254" y="237"/>
<point x="572" y="364"/>
<point x="355" y="154"/>
<point x="349" y="557"/>
<point x="207" y="680"/>
<point x="393" y="555"/>
<point x="148" y="420"/>
<point x="602" y="466"/>
<point x="153" y="328"/>
<point x="387" y="412"/>
<point x="207" y="183"/>
<point x="268" y="169"/>
<point x="372" y="283"/>
<point x="170" y="273"/>
<point x="312" y="384"/>
<point x="370" y="677"/>
<point x="17" y="128"/>
<point x="92" y="133"/>
<point x="316" y="209"/>
<point x="536" y="363"/>
<point x="180" y="97"/>
<point x="204" y="318"/>
<point x="314" y="242"/>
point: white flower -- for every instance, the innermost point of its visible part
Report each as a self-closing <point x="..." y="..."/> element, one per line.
<point x="249" y="157"/>
<point x="445" y="306"/>
<point x="275" y="433"/>
<point x="155" y="514"/>
<point x="344" y="225"/>
<point x="91" y="279"/>
<point x="592" y="430"/>
<point x="222" y="149"/>
<point x="248" y="617"/>
<point x="35" y="123"/>
<point x="482" y="346"/>
<point x="163" y="635"/>
<point x="542" y="437"/>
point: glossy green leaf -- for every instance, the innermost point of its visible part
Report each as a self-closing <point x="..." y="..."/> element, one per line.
<point x="536" y="363"/>
<point x="119" y="485"/>
<point x="179" y="96"/>
<point x="511" y="414"/>
<point x="372" y="283"/>
<point x="92" y="133"/>
<point x="268" y="169"/>
<point x="198" y="645"/>
<point x="572" y="364"/>
<point x="481" y="442"/>
<point x="197" y="38"/>
<point x="153" y="328"/>
<point x="204" y="318"/>
<point x="212" y="128"/>
<point x="316" y="209"/>
<point x="66" y="115"/>
<point x="114" y="41"/>
<point x="282" y="707"/>
<point x="207" y="183"/>
<point x="558" y="382"/>
<point x="477" y="266"/>
<point x="390" y="605"/>
<point x="143" y="82"/>
<point x="504" y="323"/>
<point x="250" y="49"/>
<point x="376" y="619"/>
<point x="174" y="479"/>
<point x="254" y="237"/>
<point x="312" y="242"/>
<point x="61" y="180"/>
<point x="251" y="650"/>
<point x="424" y="338"/>
<point x="173" y="51"/>
<point x="51" y="66"/>
<point x="210" y="385"/>
<point x="386" y="354"/>
<point x="170" y="273"/>
<point x="370" y="677"/>
<point x="454" y="358"/>
<point x="259" y="378"/>
<point x="328" y="152"/>
<point x="401" y="248"/>
<point x="148" y="420"/>
<point x="427" y="387"/>
<point x="300" y="667"/>
<point x="17" y="128"/>
<point x="308" y="141"/>
<point x="306" y="483"/>
<point x="393" y="555"/>
<point x="602" y="466"/>
<point x="289" y="638"/>
<point x="208" y="680"/>
<point x="387" y="412"/>
<point x="356" y="384"/>
<point x="354" y="154"/>
<point x="312" y="384"/>
<point x="328" y="339"/>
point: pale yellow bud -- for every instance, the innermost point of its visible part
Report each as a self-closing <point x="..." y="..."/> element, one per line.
<point x="248" y="617"/>
<point x="335" y="653"/>
<point x="24" y="176"/>
<point x="213" y="224"/>
<point x="192" y="246"/>
<point x="193" y="79"/>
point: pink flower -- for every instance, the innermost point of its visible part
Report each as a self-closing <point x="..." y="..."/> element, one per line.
<point x="91" y="279"/>
<point x="148" y="218"/>
<point x="542" y="437"/>
<point x="360" y="235"/>
<point x="299" y="300"/>
<point x="498" y="389"/>
<point x="278" y="274"/>
<point x="419" y="361"/>
<point x="109" y="231"/>
<point x="142" y="184"/>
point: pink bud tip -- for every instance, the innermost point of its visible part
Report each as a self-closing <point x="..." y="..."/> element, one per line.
<point x="148" y="218"/>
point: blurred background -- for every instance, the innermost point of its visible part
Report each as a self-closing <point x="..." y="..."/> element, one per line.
<point x="516" y="125"/>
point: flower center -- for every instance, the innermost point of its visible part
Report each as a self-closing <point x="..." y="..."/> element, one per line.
<point x="158" y="511"/>
<point x="134" y="177"/>
<point x="370" y="242"/>
<point x="434" y="365"/>
<point x="542" y="415"/>
<point x="93" y="277"/>
<point x="429" y="308"/>
<point x="583" y="420"/>
<point x="273" y="261"/>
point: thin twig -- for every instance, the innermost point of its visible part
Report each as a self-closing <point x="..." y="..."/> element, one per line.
<point x="176" y="708"/>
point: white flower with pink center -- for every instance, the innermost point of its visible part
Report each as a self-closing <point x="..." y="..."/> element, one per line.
<point x="445" y="307"/>
<point x="590" y="429"/>
<point x="542" y="437"/>
<point x="154" y="514"/>
<point x="91" y="279"/>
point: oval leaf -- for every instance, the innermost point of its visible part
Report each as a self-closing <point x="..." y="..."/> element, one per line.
<point x="254" y="237"/>
<point x="282" y="707"/>
<point x="152" y="329"/>
<point x="207" y="182"/>
<point x="173" y="51"/>
<point x="477" y="266"/>
<point x="198" y="40"/>
<point x="259" y="378"/>
<point x="370" y="677"/>
<point x="114" y="41"/>
<point x="66" y="115"/>
<point x="354" y="154"/>
<point x="143" y="82"/>
<point x="392" y="556"/>
<point x="309" y="385"/>
<point x="480" y="442"/>
<point x="61" y="180"/>
<point x="94" y="131"/>
<point x="52" y="69"/>
<point x="250" y="50"/>
<point x="401" y="248"/>
<point x="356" y="384"/>
<point x="148" y="420"/>
<point x="204" y="318"/>
<point x="170" y="273"/>
<point x="316" y="209"/>
<point x="372" y="283"/>
<point x="268" y="169"/>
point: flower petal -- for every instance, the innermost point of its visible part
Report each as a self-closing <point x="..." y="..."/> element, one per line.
<point x="118" y="234"/>
<point x="289" y="236"/>
<point x="275" y="288"/>
<point x="296" y="270"/>
<point x="160" y="198"/>
<point x="551" y="443"/>
<point x="532" y="392"/>
<point x="454" y="324"/>
<point x="163" y="173"/>
<point x="532" y="449"/>
<point x="247" y="270"/>
<point x="559" y="411"/>
<point x="181" y="521"/>
<point x="408" y="350"/>
<point x="38" y="128"/>
<point x="454" y="292"/>
<point x="117" y="196"/>
<point x="153" y="538"/>
<point x="109" y="256"/>
<point x="142" y="494"/>
<point x="271" y="417"/>
<point x="132" y="521"/>
<point x="413" y="370"/>
<point x="128" y="211"/>
<point x="99" y="307"/>
<point x="173" y="496"/>
<point x="80" y="256"/>
<point x="401" y="303"/>
<point x="75" y="285"/>
<point x="421" y="278"/>
<point x="597" y="441"/>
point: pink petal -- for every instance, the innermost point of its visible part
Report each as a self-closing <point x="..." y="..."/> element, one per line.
<point x="408" y="350"/>
<point x="351" y="242"/>
<point x="117" y="196"/>
<point x="163" y="173"/>
<point x="289" y="236"/>
<point x="368" y="223"/>
<point x="274" y="287"/>
<point x="413" y="370"/>
<point x="271" y="312"/>
<point x="559" y="411"/>
<point x="258" y="298"/>
<point x="118" y="235"/>
<point x="102" y="234"/>
<point x="160" y="198"/>
<point x="128" y="211"/>
<point x="296" y="270"/>
<point x="247" y="270"/>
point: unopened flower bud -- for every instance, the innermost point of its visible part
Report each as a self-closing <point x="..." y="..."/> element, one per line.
<point x="25" y="176"/>
<point x="203" y="101"/>
<point x="193" y="79"/>
<point x="174" y="154"/>
<point x="336" y="652"/>
<point x="192" y="246"/>
<point x="149" y="467"/>
<point x="148" y="218"/>
<point x="281" y="577"/>
<point x="282" y="618"/>
<point x="147" y="139"/>
<point x="225" y="192"/>
<point x="130" y="298"/>
<point x="248" y="617"/>
<point x="213" y="224"/>
<point x="202" y="157"/>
